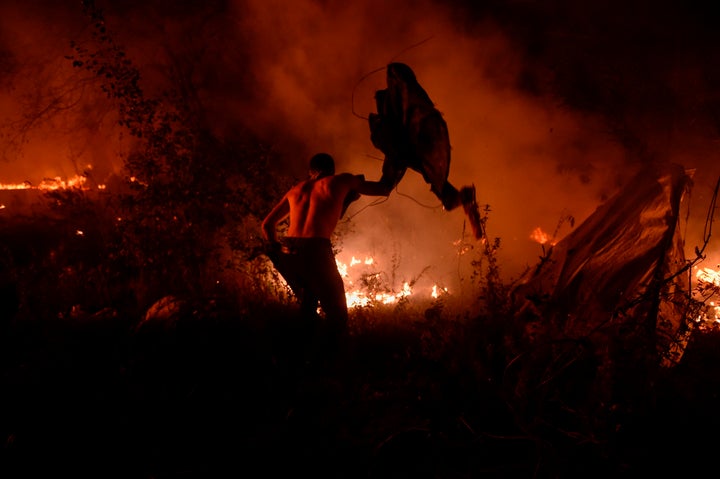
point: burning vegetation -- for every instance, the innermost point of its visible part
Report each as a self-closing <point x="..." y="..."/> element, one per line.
<point x="144" y="327"/>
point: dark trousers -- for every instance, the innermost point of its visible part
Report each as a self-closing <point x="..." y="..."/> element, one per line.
<point x="308" y="266"/>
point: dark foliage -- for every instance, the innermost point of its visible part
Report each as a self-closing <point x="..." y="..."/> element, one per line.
<point x="227" y="386"/>
<point x="143" y="335"/>
<point x="184" y="191"/>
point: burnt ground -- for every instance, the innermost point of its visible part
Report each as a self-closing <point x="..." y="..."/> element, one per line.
<point x="231" y="396"/>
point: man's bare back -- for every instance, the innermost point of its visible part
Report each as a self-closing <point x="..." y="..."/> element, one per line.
<point x="315" y="205"/>
<point x="318" y="205"/>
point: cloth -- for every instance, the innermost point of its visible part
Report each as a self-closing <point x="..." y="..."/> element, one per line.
<point x="412" y="133"/>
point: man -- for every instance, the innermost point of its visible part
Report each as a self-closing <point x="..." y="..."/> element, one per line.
<point x="412" y="133"/>
<point x="305" y="257"/>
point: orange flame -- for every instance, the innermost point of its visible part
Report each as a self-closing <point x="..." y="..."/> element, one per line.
<point x="541" y="237"/>
<point x="50" y="184"/>
<point x="708" y="281"/>
<point x="358" y="298"/>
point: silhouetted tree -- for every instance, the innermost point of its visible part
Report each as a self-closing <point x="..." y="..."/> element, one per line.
<point x="185" y="188"/>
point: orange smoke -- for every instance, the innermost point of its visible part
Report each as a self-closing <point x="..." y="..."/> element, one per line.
<point x="297" y="74"/>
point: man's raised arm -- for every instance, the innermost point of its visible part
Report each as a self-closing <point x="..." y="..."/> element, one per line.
<point x="373" y="188"/>
<point x="359" y="186"/>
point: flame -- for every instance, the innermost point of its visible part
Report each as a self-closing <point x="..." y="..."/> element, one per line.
<point x="462" y="246"/>
<point x="51" y="184"/>
<point x="708" y="275"/>
<point x="77" y="182"/>
<point x="708" y="285"/>
<point x="436" y="293"/>
<point x="541" y="237"/>
<point x="355" y="298"/>
<point x="15" y="186"/>
<point x="358" y="298"/>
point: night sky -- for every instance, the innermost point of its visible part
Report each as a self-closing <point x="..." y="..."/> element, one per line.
<point x="551" y="105"/>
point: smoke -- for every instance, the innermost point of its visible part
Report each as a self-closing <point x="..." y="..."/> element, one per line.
<point x="314" y="69"/>
<point x="549" y="108"/>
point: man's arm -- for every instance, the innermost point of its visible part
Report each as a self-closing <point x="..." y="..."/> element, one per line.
<point x="279" y="212"/>
<point x="359" y="186"/>
<point x="373" y="188"/>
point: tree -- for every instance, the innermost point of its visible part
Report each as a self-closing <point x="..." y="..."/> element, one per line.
<point x="185" y="188"/>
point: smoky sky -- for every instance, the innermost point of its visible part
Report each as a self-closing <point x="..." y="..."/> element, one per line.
<point x="551" y="106"/>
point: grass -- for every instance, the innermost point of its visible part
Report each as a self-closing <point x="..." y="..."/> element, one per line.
<point x="227" y="386"/>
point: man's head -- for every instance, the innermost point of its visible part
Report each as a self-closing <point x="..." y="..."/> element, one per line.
<point x="321" y="165"/>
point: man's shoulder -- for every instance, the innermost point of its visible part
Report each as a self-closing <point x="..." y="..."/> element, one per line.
<point x="347" y="178"/>
<point x="352" y="176"/>
<point x="300" y="185"/>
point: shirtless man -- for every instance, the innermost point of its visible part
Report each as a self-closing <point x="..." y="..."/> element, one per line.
<point x="305" y="257"/>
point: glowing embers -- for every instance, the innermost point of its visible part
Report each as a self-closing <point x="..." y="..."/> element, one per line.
<point x="366" y="286"/>
<point x="49" y="184"/>
<point x="15" y="186"/>
<point x="708" y="275"/>
<point x="539" y="236"/>
<point x="707" y="288"/>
